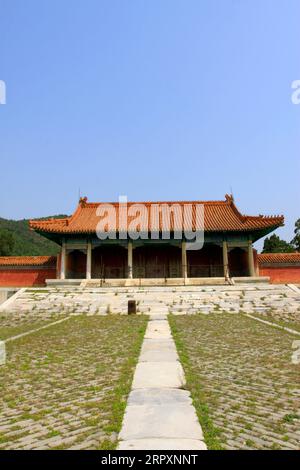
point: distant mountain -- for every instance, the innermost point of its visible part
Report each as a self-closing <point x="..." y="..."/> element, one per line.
<point x="28" y="242"/>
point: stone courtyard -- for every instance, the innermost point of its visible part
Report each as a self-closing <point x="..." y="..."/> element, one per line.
<point x="66" y="386"/>
<point x="280" y="301"/>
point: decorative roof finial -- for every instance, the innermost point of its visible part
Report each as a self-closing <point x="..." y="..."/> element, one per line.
<point x="229" y="198"/>
<point x="83" y="201"/>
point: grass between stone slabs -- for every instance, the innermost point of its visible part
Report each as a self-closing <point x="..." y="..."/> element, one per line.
<point x="193" y="384"/>
<point x="66" y="387"/>
<point x="245" y="388"/>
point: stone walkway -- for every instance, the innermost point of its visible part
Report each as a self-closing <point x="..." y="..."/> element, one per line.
<point x="159" y="413"/>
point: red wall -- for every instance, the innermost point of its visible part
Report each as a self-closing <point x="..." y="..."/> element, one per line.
<point x="282" y="275"/>
<point x="26" y="277"/>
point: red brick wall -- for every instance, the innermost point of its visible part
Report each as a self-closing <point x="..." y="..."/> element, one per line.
<point x="25" y="277"/>
<point x="282" y="275"/>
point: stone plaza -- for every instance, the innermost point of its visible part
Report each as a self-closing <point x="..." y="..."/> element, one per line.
<point x="74" y="356"/>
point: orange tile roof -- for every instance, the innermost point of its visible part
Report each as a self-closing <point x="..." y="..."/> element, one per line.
<point x="219" y="216"/>
<point x="28" y="261"/>
<point x="278" y="258"/>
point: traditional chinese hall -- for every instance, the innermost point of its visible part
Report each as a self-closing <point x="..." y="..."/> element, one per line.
<point x="227" y="251"/>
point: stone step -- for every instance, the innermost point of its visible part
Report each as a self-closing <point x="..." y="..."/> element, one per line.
<point x="155" y="301"/>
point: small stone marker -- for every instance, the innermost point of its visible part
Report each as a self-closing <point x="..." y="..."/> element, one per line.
<point x="296" y="354"/>
<point x="2" y="353"/>
<point x="131" y="307"/>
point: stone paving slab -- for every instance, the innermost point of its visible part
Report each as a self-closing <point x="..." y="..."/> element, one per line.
<point x="162" y="444"/>
<point x="158" y="350"/>
<point x="163" y="421"/>
<point x="158" y="316"/>
<point x="158" y="375"/>
<point x="159" y="356"/>
<point x="158" y="329"/>
<point x="158" y="345"/>
<point x="159" y="396"/>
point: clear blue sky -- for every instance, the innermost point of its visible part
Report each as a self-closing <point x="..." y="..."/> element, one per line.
<point x="155" y="99"/>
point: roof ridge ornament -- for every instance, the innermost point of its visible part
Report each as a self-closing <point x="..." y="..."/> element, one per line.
<point x="229" y="198"/>
<point x="83" y="201"/>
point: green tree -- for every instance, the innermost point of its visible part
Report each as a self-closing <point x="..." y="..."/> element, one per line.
<point x="296" y="239"/>
<point x="6" y="242"/>
<point x="274" y="244"/>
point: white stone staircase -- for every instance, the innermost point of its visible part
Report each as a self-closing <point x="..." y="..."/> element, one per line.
<point x="249" y="298"/>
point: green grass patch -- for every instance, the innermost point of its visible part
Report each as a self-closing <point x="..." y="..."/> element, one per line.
<point x="8" y="331"/>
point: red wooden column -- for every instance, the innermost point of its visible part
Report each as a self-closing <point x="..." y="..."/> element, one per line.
<point x="183" y="260"/>
<point x="129" y="260"/>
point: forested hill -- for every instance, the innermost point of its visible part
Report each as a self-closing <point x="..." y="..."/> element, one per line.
<point x="26" y="241"/>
